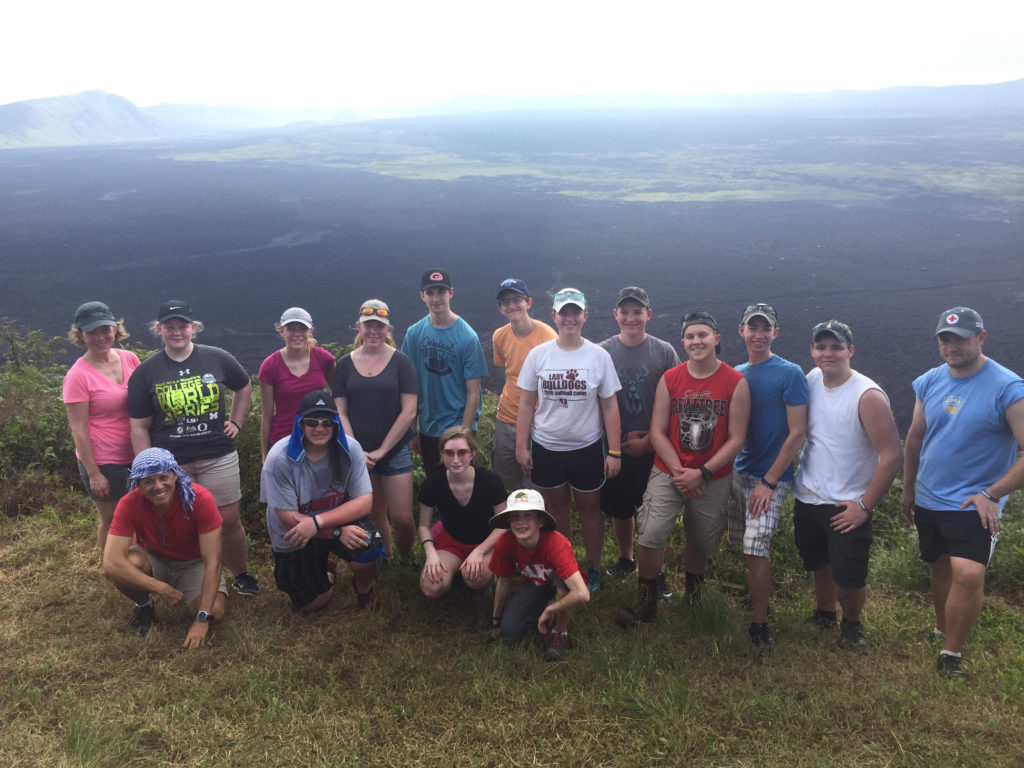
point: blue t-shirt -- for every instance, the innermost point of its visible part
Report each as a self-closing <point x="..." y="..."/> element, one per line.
<point x="968" y="444"/>
<point x="444" y="358"/>
<point x="774" y="384"/>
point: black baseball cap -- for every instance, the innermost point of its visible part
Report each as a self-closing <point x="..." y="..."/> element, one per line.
<point x="434" y="277"/>
<point x="317" y="401"/>
<point x="174" y="308"/>
<point x="963" y="321"/>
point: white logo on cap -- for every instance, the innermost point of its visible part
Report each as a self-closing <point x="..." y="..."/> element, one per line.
<point x="320" y="402"/>
<point x="952" y="319"/>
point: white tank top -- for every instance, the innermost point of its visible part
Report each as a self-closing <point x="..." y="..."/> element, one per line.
<point x="838" y="458"/>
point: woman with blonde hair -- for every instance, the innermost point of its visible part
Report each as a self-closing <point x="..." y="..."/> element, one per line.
<point x="289" y="374"/>
<point x="466" y="497"/>
<point x="96" y="399"/>
<point x="375" y="393"/>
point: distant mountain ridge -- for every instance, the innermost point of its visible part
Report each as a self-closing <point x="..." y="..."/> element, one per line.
<point x="98" y="117"/>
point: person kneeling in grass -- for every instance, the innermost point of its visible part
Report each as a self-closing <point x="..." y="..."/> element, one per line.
<point x="552" y="586"/>
<point x="318" y="495"/>
<point x="165" y="539"/>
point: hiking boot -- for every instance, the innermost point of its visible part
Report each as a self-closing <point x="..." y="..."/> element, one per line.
<point x="662" y="590"/>
<point x="823" y="621"/>
<point x="851" y="635"/>
<point x="762" y="638"/>
<point x="245" y="584"/>
<point x="558" y="646"/>
<point x="623" y="568"/>
<point x="646" y="610"/>
<point x="694" y="588"/>
<point x="949" y="666"/>
<point x="143" y="617"/>
<point x="593" y="579"/>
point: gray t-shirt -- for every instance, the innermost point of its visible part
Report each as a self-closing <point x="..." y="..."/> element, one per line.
<point x="307" y="486"/>
<point x="640" y="368"/>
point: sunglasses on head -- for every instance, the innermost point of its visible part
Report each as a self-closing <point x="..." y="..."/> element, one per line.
<point x="312" y="421"/>
<point x="371" y="311"/>
<point x="760" y="308"/>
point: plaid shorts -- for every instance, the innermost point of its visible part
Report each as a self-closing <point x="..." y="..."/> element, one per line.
<point x="755" y="534"/>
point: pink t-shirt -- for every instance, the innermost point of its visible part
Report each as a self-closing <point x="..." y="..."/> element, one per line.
<point x="289" y="389"/>
<point x="109" y="428"/>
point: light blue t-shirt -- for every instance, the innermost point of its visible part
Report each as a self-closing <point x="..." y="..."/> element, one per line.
<point x="445" y="358"/>
<point x="774" y="384"/>
<point x="968" y="444"/>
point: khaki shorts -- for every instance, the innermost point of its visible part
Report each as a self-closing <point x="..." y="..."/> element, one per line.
<point x="703" y="518"/>
<point x="503" y="458"/>
<point x="186" y="576"/>
<point x="219" y="476"/>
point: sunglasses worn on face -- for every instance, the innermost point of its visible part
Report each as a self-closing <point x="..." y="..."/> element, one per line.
<point x="311" y="421"/>
<point x="371" y="311"/>
<point x="462" y="453"/>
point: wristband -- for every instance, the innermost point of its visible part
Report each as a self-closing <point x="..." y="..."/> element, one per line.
<point x="428" y="541"/>
<point x="865" y="507"/>
<point x="990" y="497"/>
<point x="615" y="454"/>
<point x="769" y="486"/>
<point x="495" y="622"/>
<point x="237" y="425"/>
<point x="316" y="523"/>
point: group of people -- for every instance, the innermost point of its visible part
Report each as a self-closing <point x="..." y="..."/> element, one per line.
<point x="621" y="427"/>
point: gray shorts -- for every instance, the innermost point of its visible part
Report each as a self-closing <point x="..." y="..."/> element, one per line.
<point x="186" y="576"/>
<point x="755" y="534"/>
<point x="503" y="458"/>
<point x="703" y="518"/>
<point x="219" y="476"/>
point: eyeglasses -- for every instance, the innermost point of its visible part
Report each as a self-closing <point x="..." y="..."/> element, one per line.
<point x="462" y="453"/>
<point x="371" y="311"/>
<point x="511" y="301"/>
<point x="312" y="422"/>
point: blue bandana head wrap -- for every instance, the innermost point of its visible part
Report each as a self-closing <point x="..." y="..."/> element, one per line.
<point x="153" y="461"/>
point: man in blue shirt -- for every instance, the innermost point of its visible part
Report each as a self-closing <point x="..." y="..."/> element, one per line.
<point x="960" y="466"/>
<point x="763" y="471"/>
<point x="449" y="365"/>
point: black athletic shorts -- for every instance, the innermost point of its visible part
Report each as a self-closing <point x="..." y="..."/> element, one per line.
<point x="958" y="533"/>
<point x="582" y="469"/>
<point x="302" y="574"/>
<point x="622" y="495"/>
<point x="819" y="545"/>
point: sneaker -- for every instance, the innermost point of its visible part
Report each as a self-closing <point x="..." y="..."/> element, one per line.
<point x="934" y="636"/>
<point x="663" y="590"/>
<point x="369" y="602"/>
<point x="821" y="621"/>
<point x="558" y="647"/>
<point x="245" y="584"/>
<point x="851" y="635"/>
<point x="143" y="617"/>
<point x="593" y="579"/>
<point x="949" y="666"/>
<point x="762" y="638"/>
<point x="623" y="568"/>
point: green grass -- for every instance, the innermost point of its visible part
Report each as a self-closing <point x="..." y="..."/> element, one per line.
<point x="420" y="684"/>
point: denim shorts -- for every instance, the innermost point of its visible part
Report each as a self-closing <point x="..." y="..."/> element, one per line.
<point x="399" y="464"/>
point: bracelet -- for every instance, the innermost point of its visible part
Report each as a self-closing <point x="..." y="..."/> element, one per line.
<point x="769" y="486"/>
<point x="427" y="541"/>
<point x="495" y="622"/>
<point x="865" y="507"/>
<point x="615" y="454"/>
<point x="989" y="496"/>
<point x="316" y="522"/>
<point x="237" y="425"/>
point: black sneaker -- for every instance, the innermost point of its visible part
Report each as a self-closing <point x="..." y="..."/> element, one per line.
<point x="762" y="638"/>
<point x="245" y="584"/>
<point x="663" y="590"/>
<point x="623" y="568"/>
<point x="821" y="621"/>
<point x="143" y="617"/>
<point x="949" y="666"/>
<point x="851" y="635"/>
<point x="558" y="647"/>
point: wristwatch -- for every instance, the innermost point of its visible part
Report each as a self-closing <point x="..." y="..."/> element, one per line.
<point x="706" y="473"/>
<point x="336" y="533"/>
<point x="202" y="617"/>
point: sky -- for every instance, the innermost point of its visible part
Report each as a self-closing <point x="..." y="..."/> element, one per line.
<point x="382" y="53"/>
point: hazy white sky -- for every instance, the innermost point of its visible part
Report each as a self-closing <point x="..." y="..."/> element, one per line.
<point x="375" y="53"/>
